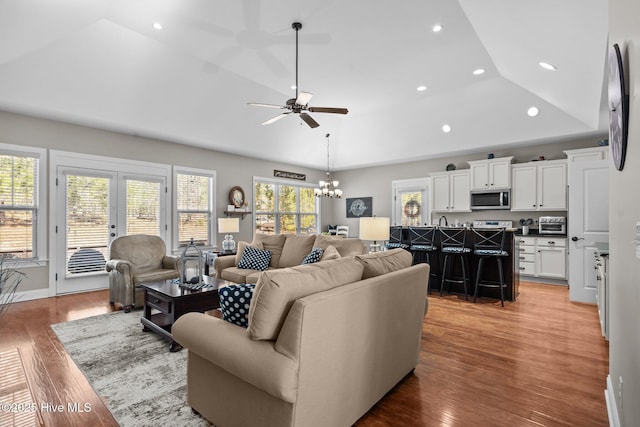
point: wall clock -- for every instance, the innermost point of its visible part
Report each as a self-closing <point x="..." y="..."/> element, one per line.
<point x="618" y="108"/>
<point x="236" y="197"/>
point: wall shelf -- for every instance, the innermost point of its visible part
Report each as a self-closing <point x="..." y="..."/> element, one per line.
<point x="237" y="213"/>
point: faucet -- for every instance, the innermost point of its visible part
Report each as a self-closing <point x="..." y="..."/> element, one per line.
<point x="446" y="223"/>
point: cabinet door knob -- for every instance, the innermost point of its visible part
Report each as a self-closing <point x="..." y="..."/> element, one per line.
<point x="551" y="242"/>
<point x="534" y="206"/>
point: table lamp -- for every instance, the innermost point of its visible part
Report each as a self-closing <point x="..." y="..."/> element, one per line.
<point x="228" y="225"/>
<point x="374" y="229"/>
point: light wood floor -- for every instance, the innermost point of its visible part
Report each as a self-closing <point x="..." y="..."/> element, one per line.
<point x="538" y="361"/>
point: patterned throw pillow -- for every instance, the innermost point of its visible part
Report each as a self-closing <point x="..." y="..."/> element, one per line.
<point x="255" y="259"/>
<point x="234" y="303"/>
<point x="314" y="256"/>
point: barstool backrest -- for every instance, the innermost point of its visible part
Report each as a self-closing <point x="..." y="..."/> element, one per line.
<point x="489" y="239"/>
<point x="422" y="235"/>
<point x="453" y="237"/>
<point x="395" y="234"/>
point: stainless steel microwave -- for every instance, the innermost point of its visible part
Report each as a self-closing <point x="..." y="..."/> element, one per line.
<point x="490" y="199"/>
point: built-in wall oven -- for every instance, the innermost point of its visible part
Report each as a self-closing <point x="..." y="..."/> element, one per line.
<point x="552" y="225"/>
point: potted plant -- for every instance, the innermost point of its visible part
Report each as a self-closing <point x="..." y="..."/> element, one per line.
<point x="10" y="278"/>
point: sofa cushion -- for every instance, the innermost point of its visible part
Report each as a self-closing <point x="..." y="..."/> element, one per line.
<point x="241" y="247"/>
<point x="330" y="253"/>
<point x="272" y="243"/>
<point x="314" y="256"/>
<point x="240" y="275"/>
<point x="345" y="247"/>
<point x="234" y="303"/>
<point x="276" y="291"/>
<point x="254" y="259"/>
<point x="295" y="248"/>
<point x="384" y="262"/>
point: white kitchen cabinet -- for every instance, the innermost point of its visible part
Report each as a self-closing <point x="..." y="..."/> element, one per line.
<point x="450" y="191"/>
<point x="551" y="258"/>
<point x="491" y="173"/>
<point x="539" y="186"/>
<point x="543" y="257"/>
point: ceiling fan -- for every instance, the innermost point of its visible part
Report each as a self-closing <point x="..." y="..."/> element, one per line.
<point x="299" y="104"/>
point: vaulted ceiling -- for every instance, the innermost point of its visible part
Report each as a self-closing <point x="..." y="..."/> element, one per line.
<point x="101" y="63"/>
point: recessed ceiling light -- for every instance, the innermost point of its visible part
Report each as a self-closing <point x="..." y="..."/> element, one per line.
<point x="478" y="71"/>
<point x="437" y="28"/>
<point x="421" y="88"/>
<point x="446" y="128"/>
<point x="533" y="111"/>
<point x="547" y="66"/>
<point x="157" y="25"/>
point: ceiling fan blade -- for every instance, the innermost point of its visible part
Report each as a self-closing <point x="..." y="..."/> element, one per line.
<point x="328" y="110"/>
<point x="303" y="98"/>
<point x="309" y="120"/>
<point x="258" y="104"/>
<point x="276" y="118"/>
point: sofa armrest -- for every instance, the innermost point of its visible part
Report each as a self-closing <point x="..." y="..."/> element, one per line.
<point x="118" y="265"/>
<point x="223" y="262"/>
<point x="229" y="347"/>
<point x="170" y="262"/>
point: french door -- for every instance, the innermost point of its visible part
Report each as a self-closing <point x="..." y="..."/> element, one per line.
<point x="94" y="207"/>
<point x="410" y="202"/>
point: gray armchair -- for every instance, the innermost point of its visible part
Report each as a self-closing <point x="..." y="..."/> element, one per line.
<point x="137" y="259"/>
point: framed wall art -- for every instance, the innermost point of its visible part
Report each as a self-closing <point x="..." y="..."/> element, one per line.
<point x="359" y="206"/>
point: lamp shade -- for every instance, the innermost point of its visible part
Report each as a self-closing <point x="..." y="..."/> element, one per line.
<point x="376" y="228"/>
<point x="228" y="225"/>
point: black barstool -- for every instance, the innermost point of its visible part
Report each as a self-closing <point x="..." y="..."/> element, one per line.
<point x="395" y="238"/>
<point x="489" y="244"/>
<point x="452" y="244"/>
<point x="422" y="246"/>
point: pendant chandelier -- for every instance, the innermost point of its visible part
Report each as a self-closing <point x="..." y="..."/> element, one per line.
<point x="329" y="187"/>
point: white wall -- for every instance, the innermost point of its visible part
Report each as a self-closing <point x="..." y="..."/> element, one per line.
<point x="376" y="181"/>
<point x="231" y="170"/>
<point x="624" y="344"/>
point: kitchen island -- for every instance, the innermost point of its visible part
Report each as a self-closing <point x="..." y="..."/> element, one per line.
<point x="510" y="266"/>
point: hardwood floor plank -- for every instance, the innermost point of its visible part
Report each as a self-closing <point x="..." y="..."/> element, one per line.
<point x="540" y="361"/>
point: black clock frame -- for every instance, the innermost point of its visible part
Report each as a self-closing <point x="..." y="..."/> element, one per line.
<point x="618" y="113"/>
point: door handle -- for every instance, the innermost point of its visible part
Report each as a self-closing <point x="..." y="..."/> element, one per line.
<point x="113" y="234"/>
<point x="576" y="238"/>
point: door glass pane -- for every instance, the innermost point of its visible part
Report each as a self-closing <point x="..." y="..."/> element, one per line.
<point x="87" y="223"/>
<point x="411" y="208"/>
<point x="143" y="207"/>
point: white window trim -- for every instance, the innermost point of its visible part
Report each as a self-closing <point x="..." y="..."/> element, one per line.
<point x="418" y="184"/>
<point x="284" y="181"/>
<point x="41" y="249"/>
<point x="213" y="226"/>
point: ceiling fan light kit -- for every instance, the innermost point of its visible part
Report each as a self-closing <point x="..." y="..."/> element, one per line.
<point x="299" y="104"/>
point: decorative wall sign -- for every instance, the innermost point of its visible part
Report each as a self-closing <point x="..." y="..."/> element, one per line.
<point x="289" y="175"/>
<point x="359" y="206"/>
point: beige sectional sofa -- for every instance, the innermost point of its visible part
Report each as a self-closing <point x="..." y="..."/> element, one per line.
<point x="287" y="250"/>
<point x="325" y="342"/>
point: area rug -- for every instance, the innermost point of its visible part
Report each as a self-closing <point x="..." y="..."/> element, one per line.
<point x="133" y="372"/>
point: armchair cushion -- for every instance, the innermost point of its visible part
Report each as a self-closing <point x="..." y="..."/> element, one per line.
<point x="254" y="259"/>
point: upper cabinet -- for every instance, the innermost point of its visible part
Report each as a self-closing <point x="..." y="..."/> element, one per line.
<point x="491" y="173"/>
<point x="539" y="186"/>
<point x="450" y="191"/>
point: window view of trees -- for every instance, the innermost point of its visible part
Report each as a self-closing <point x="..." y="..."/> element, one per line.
<point x="193" y="194"/>
<point x="18" y="196"/>
<point x="285" y="209"/>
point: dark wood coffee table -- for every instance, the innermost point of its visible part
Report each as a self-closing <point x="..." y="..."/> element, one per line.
<point x="165" y="302"/>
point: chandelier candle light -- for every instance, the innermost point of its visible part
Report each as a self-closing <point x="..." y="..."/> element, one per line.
<point x="228" y="225"/>
<point x="374" y="229"/>
<point x="328" y="188"/>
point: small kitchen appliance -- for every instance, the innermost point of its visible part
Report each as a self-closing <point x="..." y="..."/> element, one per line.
<point x="552" y="225"/>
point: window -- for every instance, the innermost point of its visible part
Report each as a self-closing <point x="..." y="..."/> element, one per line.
<point x="411" y="207"/>
<point x="194" y="206"/>
<point x="285" y="208"/>
<point x="22" y="234"/>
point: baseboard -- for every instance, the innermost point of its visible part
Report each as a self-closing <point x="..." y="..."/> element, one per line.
<point x="31" y="295"/>
<point x="612" y="408"/>
<point x="558" y="282"/>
